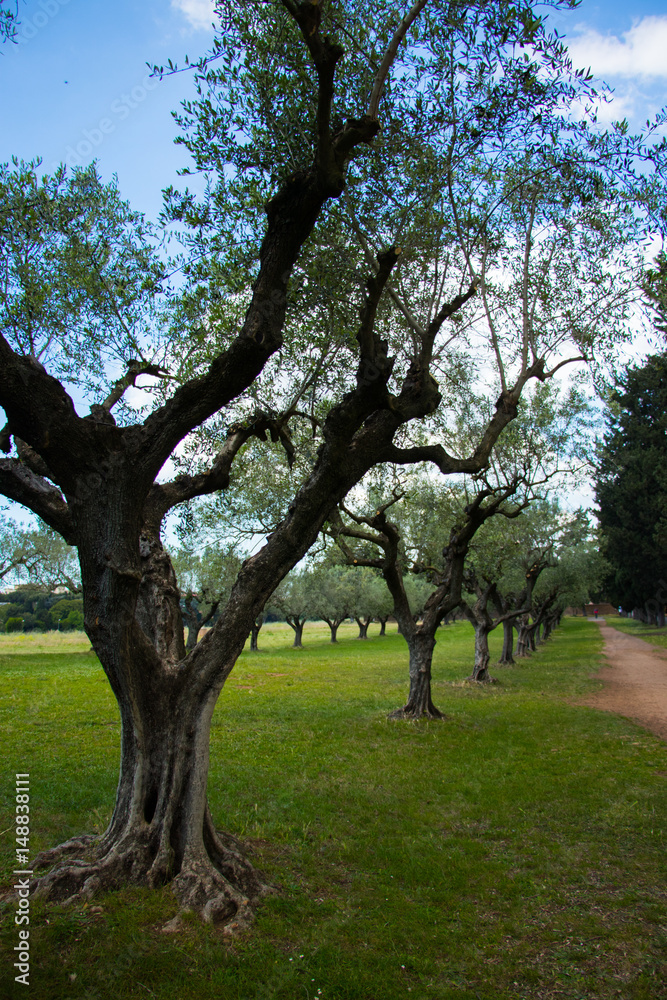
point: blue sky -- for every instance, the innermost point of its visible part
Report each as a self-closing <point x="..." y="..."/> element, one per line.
<point x="76" y="87"/>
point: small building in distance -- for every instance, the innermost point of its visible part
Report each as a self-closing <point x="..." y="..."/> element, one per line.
<point x="604" y="609"/>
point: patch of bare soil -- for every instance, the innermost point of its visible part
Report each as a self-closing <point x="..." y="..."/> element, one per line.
<point x="635" y="680"/>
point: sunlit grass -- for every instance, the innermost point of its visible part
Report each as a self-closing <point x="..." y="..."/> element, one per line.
<point x="515" y="850"/>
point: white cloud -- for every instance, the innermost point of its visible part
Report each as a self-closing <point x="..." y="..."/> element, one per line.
<point x="641" y="52"/>
<point x="199" y="13"/>
<point x="622" y="105"/>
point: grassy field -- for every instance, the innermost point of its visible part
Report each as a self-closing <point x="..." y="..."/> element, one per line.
<point x="515" y="850"/>
<point x="657" y="637"/>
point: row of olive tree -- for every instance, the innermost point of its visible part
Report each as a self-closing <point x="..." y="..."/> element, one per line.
<point x="333" y="593"/>
<point x="478" y="546"/>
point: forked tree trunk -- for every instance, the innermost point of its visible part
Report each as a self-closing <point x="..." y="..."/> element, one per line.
<point x="383" y="626"/>
<point x="334" y="624"/>
<point x="506" y="657"/>
<point x="297" y="625"/>
<point x="419" y="704"/>
<point x="161" y="830"/>
<point x="363" y="627"/>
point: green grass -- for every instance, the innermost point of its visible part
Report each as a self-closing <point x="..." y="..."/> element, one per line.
<point x="649" y="633"/>
<point x="514" y="851"/>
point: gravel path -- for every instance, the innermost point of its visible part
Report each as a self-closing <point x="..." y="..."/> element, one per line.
<point x="635" y="680"/>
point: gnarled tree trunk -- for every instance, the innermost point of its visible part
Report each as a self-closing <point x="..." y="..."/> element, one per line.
<point x="523" y="636"/>
<point x="161" y="829"/>
<point x="506" y="657"/>
<point x="419" y="704"/>
<point x="480" y="671"/>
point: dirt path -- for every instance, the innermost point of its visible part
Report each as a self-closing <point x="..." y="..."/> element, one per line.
<point x="635" y="680"/>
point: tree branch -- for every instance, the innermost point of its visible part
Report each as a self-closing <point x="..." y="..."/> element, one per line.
<point x="164" y="496"/>
<point x="21" y="484"/>
<point x="39" y="410"/>
<point x="390" y="55"/>
<point x="446" y="312"/>
<point x="134" y="370"/>
<point x="326" y="56"/>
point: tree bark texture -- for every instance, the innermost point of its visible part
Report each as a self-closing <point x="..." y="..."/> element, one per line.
<point x="161" y="830"/>
<point x="419" y="704"/>
<point x="523" y="636"/>
<point x="507" y="657"/>
<point x="480" y="671"/>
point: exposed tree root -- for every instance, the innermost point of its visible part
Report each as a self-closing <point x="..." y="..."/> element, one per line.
<point x="216" y="881"/>
<point x="411" y="712"/>
<point x="482" y="678"/>
<point x="77" y="879"/>
<point x="200" y="888"/>
<point x="77" y="845"/>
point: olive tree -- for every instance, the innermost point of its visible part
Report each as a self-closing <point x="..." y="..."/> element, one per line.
<point x="300" y="303"/>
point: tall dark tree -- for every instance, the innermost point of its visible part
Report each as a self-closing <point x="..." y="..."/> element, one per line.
<point x="631" y="490"/>
<point x="265" y="327"/>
